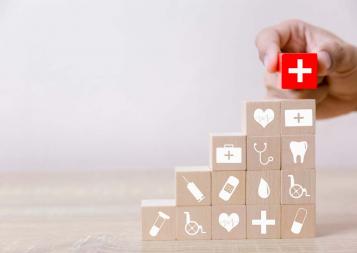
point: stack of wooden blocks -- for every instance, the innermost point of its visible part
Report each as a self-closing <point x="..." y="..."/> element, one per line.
<point x="260" y="184"/>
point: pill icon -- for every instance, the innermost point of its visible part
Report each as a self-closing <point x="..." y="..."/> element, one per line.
<point x="299" y="220"/>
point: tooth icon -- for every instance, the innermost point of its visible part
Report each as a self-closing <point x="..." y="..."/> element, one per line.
<point x="298" y="148"/>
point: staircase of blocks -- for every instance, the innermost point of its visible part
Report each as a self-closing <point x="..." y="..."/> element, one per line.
<point x="260" y="183"/>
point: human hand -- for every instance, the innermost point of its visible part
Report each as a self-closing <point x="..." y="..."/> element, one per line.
<point x="337" y="65"/>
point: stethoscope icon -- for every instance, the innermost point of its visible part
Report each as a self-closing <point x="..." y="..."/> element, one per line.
<point x="270" y="158"/>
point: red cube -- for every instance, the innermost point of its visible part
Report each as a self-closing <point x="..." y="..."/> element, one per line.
<point x="298" y="70"/>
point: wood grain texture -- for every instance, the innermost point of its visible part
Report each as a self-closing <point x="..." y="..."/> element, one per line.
<point x="91" y="211"/>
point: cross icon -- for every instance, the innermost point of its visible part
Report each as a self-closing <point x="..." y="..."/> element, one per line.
<point x="300" y="71"/>
<point x="263" y="222"/>
<point x="229" y="155"/>
<point x="298" y="117"/>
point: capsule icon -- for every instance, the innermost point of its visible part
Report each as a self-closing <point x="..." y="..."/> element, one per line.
<point x="299" y="220"/>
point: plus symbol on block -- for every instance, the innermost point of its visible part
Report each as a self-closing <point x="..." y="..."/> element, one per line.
<point x="298" y="117"/>
<point x="298" y="70"/>
<point x="229" y="155"/>
<point x="263" y="222"/>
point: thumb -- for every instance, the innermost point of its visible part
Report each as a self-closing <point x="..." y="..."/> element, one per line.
<point x="336" y="57"/>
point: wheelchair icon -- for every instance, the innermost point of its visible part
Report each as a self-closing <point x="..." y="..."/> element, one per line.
<point x="192" y="227"/>
<point x="296" y="191"/>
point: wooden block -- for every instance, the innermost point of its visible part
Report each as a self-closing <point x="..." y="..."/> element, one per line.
<point x="298" y="117"/>
<point x="298" y="186"/>
<point x="228" y="222"/>
<point x="193" y="223"/>
<point x="228" y="187"/>
<point x="298" y="70"/>
<point x="263" y="221"/>
<point x="263" y="153"/>
<point x="228" y="151"/>
<point x="193" y="186"/>
<point x="298" y="152"/>
<point x="263" y="187"/>
<point x="261" y="118"/>
<point x="298" y="221"/>
<point x="158" y="219"/>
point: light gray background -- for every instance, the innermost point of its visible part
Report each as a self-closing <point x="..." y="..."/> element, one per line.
<point x="140" y="84"/>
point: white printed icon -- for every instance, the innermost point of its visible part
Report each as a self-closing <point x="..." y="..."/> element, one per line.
<point x="228" y="221"/>
<point x="299" y="220"/>
<point x="300" y="70"/>
<point x="263" y="117"/>
<point x="263" y="222"/>
<point x="194" y="190"/>
<point x="298" y="149"/>
<point x="228" y="188"/>
<point x="263" y="189"/>
<point x="296" y="191"/>
<point x="158" y="223"/>
<point x="298" y="118"/>
<point x="228" y="154"/>
<point x="192" y="227"/>
<point x="270" y="159"/>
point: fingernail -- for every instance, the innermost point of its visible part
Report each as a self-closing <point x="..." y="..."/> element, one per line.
<point x="324" y="58"/>
<point x="266" y="60"/>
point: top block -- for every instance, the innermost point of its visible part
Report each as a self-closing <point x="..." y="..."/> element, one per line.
<point x="298" y="70"/>
<point x="298" y="117"/>
<point x="261" y="118"/>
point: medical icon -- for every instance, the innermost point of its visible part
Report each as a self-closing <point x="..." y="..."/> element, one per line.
<point x="296" y="191"/>
<point x="263" y="189"/>
<point x="263" y="222"/>
<point x="264" y="117"/>
<point x="298" y="118"/>
<point x="228" y="222"/>
<point x="260" y="152"/>
<point x="228" y="154"/>
<point x="228" y="188"/>
<point x="158" y="223"/>
<point x="194" y="190"/>
<point x="192" y="227"/>
<point x="300" y="70"/>
<point x="298" y="149"/>
<point x="299" y="220"/>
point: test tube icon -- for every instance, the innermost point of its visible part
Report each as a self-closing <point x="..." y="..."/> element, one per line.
<point x="299" y="220"/>
<point x="159" y="222"/>
<point x="193" y="189"/>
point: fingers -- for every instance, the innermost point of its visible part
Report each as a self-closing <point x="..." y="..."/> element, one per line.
<point x="271" y="40"/>
<point x="268" y="44"/>
<point x="324" y="63"/>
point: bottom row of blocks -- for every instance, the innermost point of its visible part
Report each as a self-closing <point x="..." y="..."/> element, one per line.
<point x="162" y="220"/>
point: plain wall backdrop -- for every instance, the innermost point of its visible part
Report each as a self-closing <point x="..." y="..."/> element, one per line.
<point x="140" y="84"/>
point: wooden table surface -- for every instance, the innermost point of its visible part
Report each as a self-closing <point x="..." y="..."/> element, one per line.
<point x="91" y="211"/>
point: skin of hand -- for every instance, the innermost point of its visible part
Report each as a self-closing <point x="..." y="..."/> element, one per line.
<point x="337" y="65"/>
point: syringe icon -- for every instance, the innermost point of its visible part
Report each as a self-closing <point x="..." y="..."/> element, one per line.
<point x="193" y="189"/>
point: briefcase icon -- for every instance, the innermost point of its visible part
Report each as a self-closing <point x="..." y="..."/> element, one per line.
<point x="228" y="154"/>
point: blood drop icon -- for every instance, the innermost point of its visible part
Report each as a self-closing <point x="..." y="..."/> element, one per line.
<point x="263" y="189"/>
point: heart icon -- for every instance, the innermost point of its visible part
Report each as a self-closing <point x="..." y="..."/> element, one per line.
<point x="264" y="117"/>
<point x="228" y="221"/>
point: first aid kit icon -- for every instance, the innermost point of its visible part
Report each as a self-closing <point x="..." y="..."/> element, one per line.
<point x="228" y="154"/>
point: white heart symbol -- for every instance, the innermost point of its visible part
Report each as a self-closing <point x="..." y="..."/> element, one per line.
<point x="263" y="117"/>
<point x="228" y="221"/>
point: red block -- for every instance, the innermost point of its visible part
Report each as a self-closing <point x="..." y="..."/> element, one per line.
<point x="298" y="70"/>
